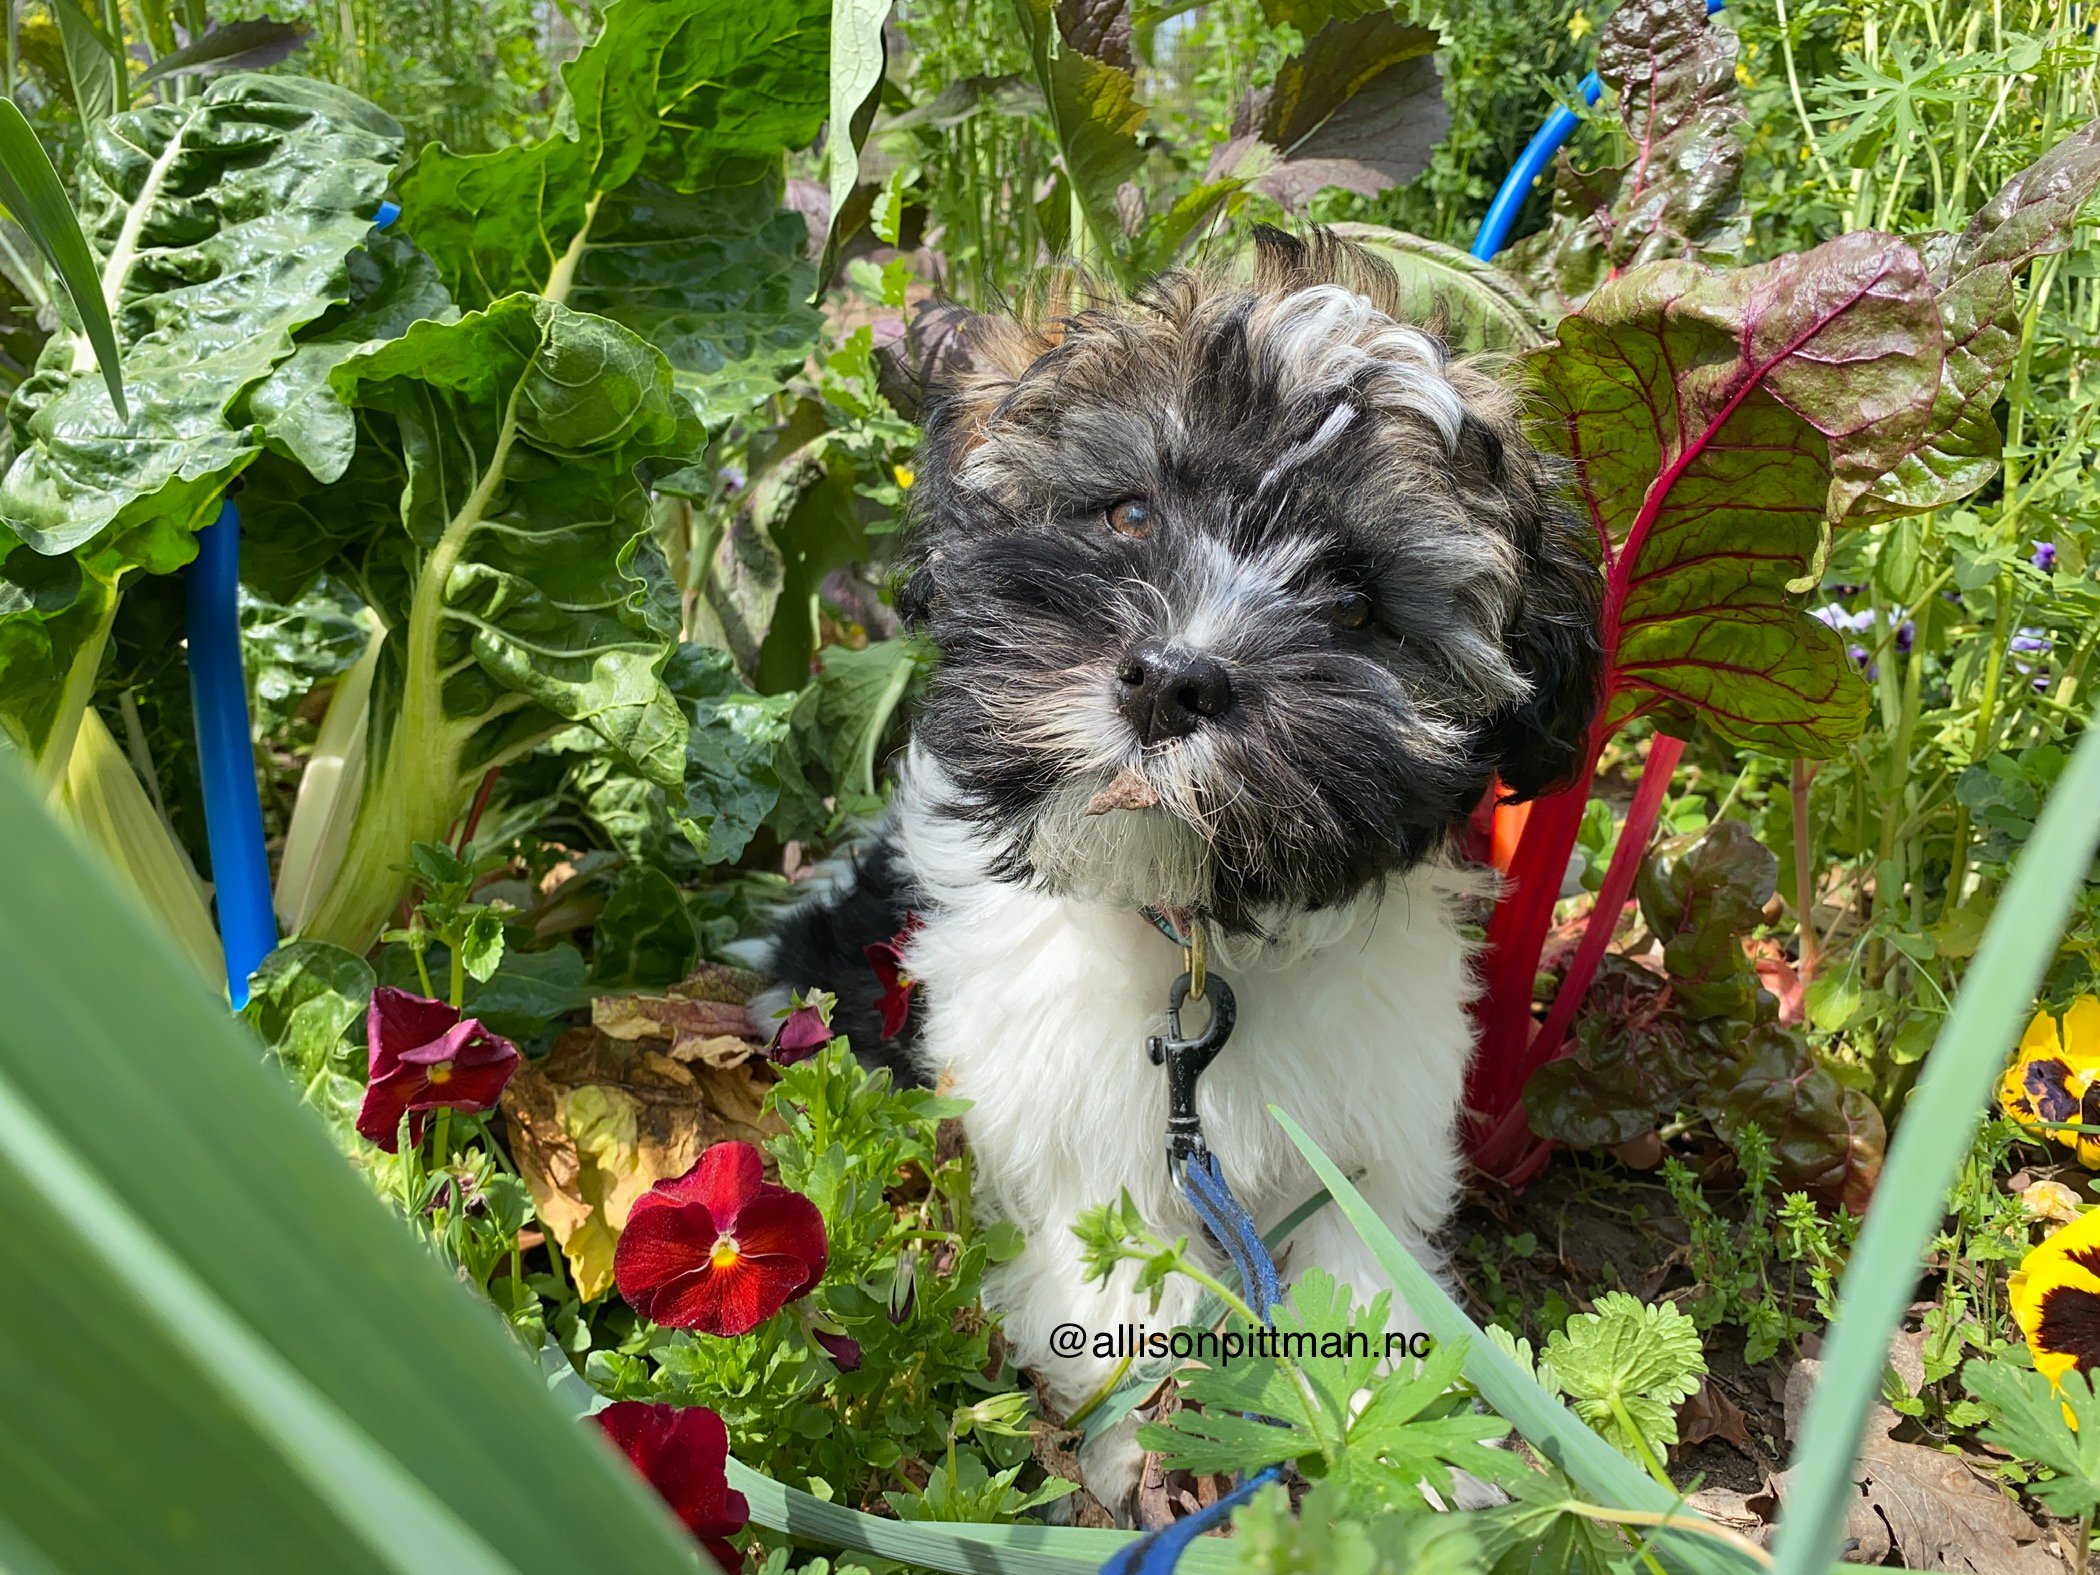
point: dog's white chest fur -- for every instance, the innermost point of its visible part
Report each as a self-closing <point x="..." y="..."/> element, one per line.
<point x="1036" y="1010"/>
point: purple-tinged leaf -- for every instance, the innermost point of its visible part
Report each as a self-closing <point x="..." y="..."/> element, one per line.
<point x="1826" y="1137"/>
<point x="1634" y="1062"/>
<point x="1674" y="76"/>
<point x="2032" y="216"/>
<point x="1362" y="109"/>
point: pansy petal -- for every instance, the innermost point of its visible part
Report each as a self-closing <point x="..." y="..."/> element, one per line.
<point x="2040" y="1038"/>
<point x="785" y="1224"/>
<point x="728" y="1177"/>
<point x="467" y="1088"/>
<point x="753" y="1289"/>
<point x="2082" y="1031"/>
<point x="397" y="1021"/>
<point x="388" y="1097"/>
<point x="659" y="1246"/>
<point x="2070" y="1326"/>
<point x="801" y="1034"/>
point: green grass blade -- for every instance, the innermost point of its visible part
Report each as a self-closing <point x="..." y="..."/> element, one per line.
<point x="31" y="190"/>
<point x="219" y="1350"/>
<point x="956" y="1549"/>
<point x="1939" y="1122"/>
<point x="1550" y="1427"/>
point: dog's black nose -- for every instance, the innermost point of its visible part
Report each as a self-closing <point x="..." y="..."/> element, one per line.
<point x="1167" y="693"/>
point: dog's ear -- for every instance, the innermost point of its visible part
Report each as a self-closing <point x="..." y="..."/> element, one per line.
<point x="1554" y="637"/>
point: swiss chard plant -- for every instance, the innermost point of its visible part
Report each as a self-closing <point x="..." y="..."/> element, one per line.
<point x="1718" y="425"/>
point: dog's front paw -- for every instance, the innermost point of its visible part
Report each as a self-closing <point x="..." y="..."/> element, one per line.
<point x="1111" y="1466"/>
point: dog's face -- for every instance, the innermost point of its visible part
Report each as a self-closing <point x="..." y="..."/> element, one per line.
<point x="1258" y="552"/>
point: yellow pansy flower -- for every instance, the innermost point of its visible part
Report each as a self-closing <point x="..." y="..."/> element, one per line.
<point x="2053" y="1077"/>
<point x="2056" y="1298"/>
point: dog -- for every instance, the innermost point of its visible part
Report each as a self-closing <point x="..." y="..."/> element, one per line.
<point x="1244" y="594"/>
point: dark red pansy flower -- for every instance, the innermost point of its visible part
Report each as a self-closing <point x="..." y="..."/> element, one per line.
<point x="424" y="1056"/>
<point x="720" y="1249"/>
<point x="887" y="959"/>
<point x="683" y="1452"/>
<point x="803" y="1031"/>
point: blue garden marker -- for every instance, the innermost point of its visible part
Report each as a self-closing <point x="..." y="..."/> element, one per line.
<point x="240" y="864"/>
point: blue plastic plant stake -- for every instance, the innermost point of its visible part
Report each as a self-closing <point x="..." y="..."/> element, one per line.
<point x="1531" y="164"/>
<point x="240" y="865"/>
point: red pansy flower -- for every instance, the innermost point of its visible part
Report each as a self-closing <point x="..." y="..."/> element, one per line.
<point x="887" y="959"/>
<point x="804" y="1030"/>
<point x="683" y="1452"/>
<point x="424" y="1056"/>
<point x="720" y="1249"/>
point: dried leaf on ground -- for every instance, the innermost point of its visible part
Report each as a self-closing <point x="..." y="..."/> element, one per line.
<point x="1711" y="1414"/>
<point x="597" y="1124"/>
<point x="705" y="1018"/>
<point x="1923" y="1505"/>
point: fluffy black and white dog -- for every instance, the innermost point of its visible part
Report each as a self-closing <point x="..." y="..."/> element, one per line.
<point x="1244" y="594"/>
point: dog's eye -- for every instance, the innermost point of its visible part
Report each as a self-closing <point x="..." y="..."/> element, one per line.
<point x="1350" y="610"/>
<point x="1131" y="517"/>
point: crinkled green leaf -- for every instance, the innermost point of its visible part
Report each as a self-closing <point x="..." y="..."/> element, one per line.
<point x="1628" y="1360"/>
<point x="645" y="936"/>
<point x="222" y="223"/>
<point x="1094" y="116"/>
<point x="1362" y="108"/>
<point x="308" y="1002"/>
<point x="392" y="285"/>
<point x="656" y="200"/>
<point x="1827" y="1137"/>
<point x="732" y="752"/>
<point x="1702" y="894"/>
<point x="844" y="715"/>
<point x="513" y="570"/>
<point x="2031" y="216"/>
<point x="1634" y="1062"/>
<point x="54" y="620"/>
<point x="1673" y="73"/>
<point x="1714" y="421"/>
<point x="1481" y="307"/>
<point x="287" y="649"/>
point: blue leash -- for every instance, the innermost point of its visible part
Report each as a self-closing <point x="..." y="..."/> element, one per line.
<point x="1202" y="1182"/>
<point x="233" y="827"/>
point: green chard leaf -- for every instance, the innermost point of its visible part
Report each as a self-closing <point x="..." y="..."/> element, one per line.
<point x="222" y="224"/>
<point x="1094" y="116"/>
<point x="657" y="200"/>
<point x="503" y="540"/>
<point x="1673" y="75"/>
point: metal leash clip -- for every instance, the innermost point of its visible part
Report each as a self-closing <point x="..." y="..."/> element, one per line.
<point x="1185" y="1060"/>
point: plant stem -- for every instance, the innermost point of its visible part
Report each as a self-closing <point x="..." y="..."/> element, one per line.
<point x="1804" y="870"/>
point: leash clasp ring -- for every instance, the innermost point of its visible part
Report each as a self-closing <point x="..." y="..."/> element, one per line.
<point x="1185" y="1060"/>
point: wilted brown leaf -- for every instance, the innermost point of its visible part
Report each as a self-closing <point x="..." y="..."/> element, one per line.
<point x="1924" y="1505"/>
<point x="1711" y="1414"/>
<point x="705" y="1018"/>
<point x="597" y="1124"/>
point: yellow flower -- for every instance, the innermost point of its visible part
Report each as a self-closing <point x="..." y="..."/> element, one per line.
<point x="1578" y="25"/>
<point x="2053" y="1076"/>
<point x="2056" y="1298"/>
<point x="905" y="475"/>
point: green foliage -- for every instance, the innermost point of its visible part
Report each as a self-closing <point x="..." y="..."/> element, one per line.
<point x="1325" y="1538"/>
<point x="1625" y="1367"/>
<point x="520" y="592"/>
<point x="2053" y="1425"/>
<point x="656" y="201"/>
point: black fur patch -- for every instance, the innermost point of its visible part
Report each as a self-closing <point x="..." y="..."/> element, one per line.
<point x="822" y="945"/>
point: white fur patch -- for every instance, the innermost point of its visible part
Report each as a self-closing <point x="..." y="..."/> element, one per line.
<point x="1327" y="338"/>
<point x="1353" y="1020"/>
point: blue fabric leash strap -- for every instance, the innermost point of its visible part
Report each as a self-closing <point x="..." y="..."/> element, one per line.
<point x="1195" y="1168"/>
